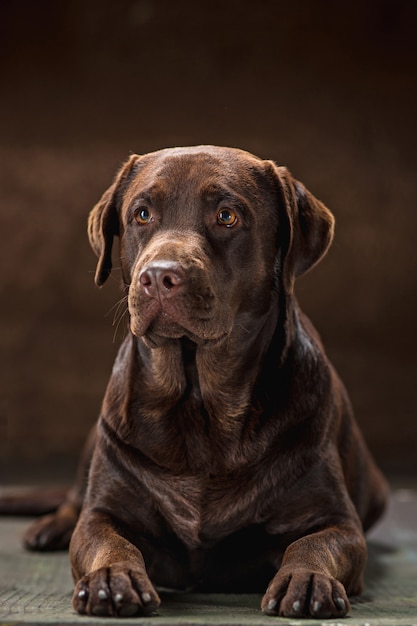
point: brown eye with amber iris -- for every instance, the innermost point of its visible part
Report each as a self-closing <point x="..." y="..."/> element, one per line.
<point x="143" y="216"/>
<point x="226" y="217"/>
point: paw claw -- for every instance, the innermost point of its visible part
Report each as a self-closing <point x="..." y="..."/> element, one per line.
<point x="296" y="607"/>
<point x="340" y="603"/>
<point x="146" y="597"/>
<point x="316" y="607"/>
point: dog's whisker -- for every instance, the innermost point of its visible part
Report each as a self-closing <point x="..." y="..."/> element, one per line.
<point x="120" y="312"/>
<point x="116" y="307"/>
<point x="118" y="324"/>
<point x="118" y="317"/>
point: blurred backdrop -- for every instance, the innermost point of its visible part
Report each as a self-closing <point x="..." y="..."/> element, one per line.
<point x="327" y="88"/>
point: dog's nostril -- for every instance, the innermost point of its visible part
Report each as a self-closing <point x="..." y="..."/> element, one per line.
<point x="145" y="279"/>
<point x="170" y="281"/>
<point x="167" y="282"/>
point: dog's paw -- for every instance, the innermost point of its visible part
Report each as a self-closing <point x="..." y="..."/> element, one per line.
<point x="115" y="591"/>
<point x="303" y="593"/>
<point x="50" y="532"/>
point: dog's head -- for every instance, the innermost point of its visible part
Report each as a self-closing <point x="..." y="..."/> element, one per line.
<point x="208" y="237"/>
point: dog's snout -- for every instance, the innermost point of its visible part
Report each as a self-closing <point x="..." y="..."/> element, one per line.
<point x="162" y="279"/>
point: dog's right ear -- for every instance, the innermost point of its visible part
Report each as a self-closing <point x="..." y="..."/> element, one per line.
<point x="103" y="221"/>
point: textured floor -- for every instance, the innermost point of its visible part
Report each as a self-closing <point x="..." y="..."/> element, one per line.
<point x="36" y="588"/>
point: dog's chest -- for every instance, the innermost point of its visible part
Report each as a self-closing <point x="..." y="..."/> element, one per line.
<point x="201" y="510"/>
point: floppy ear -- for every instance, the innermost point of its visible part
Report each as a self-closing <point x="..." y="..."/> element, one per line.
<point x="103" y="221"/>
<point x="306" y="228"/>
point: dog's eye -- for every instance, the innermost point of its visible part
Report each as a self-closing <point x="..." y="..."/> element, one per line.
<point x="226" y="217"/>
<point x="143" y="216"/>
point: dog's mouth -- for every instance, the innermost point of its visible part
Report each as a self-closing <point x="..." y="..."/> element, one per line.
<point x="158" y="323"/>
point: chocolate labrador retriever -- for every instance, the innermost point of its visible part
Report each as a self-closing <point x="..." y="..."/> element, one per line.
<point x="226" y="456"/>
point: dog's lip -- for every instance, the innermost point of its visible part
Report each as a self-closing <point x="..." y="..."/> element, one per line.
<point x="166" y="320"/>
<point x="155" y="340"/>
<point x="153" y="329"/>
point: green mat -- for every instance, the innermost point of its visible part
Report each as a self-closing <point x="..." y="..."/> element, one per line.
<point x="36" y="588"/>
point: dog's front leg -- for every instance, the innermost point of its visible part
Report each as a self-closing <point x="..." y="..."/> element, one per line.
<point x="317" y="573"/>
<point x="109" y="571"/>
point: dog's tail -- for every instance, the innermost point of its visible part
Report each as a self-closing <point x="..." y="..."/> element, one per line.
<point x="32" y="502"/>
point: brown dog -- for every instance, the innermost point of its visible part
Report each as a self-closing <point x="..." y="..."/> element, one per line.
<point x="226" y="456"/>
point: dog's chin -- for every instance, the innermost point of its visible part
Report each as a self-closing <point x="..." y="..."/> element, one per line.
<point x="164" y="330"/>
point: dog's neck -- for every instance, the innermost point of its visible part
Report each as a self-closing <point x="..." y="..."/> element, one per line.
<point x="193" y="403"/>
<point x="217" y="379"/>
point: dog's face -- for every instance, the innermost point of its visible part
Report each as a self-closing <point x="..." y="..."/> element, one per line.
<point x="208" y="238"/>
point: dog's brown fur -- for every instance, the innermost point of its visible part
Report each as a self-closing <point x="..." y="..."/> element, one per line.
<point x="226" y="456"/>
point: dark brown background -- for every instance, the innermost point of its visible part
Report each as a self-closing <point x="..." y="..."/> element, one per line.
<point x="327" y="88"/>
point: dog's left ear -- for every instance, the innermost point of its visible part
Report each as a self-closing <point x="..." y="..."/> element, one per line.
<point x="103" y="221"/>
<point x="306" y="228"/>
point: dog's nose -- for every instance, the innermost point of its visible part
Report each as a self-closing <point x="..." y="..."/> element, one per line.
<point x="162" y="279"/>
